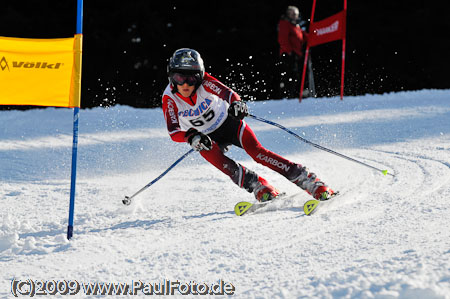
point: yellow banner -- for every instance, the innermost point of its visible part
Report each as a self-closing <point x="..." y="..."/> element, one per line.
<point x="41" y="72"/>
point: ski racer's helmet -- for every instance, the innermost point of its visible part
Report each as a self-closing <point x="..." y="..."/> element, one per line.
<point x="187" y="62"/>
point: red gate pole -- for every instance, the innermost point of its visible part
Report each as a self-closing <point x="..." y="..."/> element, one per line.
<point x="303" y="74"/>
<point x="343" y="50"/>
<point x="306" y="54"/>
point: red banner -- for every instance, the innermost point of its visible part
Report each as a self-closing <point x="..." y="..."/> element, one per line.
<point x="327" y="30"/>
<point x="330" y="29"/>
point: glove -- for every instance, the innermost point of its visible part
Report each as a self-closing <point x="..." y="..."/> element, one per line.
<point x="197" y="140"/>
<point x="238" y="110"/>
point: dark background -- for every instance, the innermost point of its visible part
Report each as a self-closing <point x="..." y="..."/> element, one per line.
<point x="391" y="45"/>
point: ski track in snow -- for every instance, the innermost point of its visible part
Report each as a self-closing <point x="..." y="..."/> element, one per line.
<point x="383" y="237"/>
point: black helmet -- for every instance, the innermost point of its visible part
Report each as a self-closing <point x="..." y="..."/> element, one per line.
<point x="186" y="61"/>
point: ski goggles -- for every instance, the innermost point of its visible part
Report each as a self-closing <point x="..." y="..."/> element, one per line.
<point x="180" y="79"/>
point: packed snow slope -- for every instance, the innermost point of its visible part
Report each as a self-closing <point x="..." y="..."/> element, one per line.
<point x="384" y="237"/>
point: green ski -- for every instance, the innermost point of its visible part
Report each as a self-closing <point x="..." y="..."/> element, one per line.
<point x="311" y="206"/>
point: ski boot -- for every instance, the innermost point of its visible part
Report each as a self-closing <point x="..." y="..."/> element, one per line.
<point x="323" y="193"/>
<point x="250" y="181"/>
<point x="264" y="191"/>
<point x="309" y="182"/>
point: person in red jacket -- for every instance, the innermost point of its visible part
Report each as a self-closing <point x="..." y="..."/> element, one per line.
<point x="202" y="111"/>
<point x="291" y="38"/>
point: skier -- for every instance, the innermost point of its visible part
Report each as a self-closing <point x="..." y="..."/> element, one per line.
<point x="203" y="112"/>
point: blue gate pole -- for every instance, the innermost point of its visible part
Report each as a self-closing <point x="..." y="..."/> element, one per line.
<point x="76" y="112"/>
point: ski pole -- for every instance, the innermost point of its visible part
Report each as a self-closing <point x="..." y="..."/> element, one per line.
<point x="317" y="145"/>
<point x="127" y="199"/>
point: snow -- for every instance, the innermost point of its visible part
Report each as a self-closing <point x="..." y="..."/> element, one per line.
<point x="385" y="237"/>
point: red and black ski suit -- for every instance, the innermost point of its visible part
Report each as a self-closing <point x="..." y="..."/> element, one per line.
<point x="206" y="111"/>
